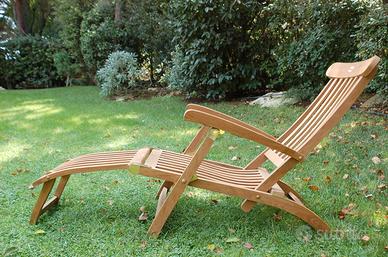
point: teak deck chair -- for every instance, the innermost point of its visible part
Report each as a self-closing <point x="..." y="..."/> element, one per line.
<point x="252" y="183"/>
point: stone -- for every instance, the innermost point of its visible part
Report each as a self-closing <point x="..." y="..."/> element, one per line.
<point x="2" y="88"/>
<point x="153" y="89"/>
<point x="374" y="101"/>
<point x="120" y="99"/>
<point x="274" y="99"/>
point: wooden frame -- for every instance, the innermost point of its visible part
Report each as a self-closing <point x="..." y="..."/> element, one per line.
<point x="252" y="183"/>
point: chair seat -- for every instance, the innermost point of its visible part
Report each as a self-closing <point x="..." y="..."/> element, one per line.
<point x="166" y="161"/>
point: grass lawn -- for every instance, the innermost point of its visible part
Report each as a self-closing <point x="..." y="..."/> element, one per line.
<point x="98" y="212"/>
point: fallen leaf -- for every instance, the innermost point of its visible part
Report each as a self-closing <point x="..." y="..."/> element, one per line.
<point x="231" y="147"/>
<point x="142" y="209"/>
<point x="325" y="162"/>
<point x="313" y="187"/>
<point x="277" y="217"/>
<point x="231" y="230"/>
<point x="346" y="210"/>
<point x="233" y="240"/>
<point x="380" y="174"/>
<point x="386" y="248"/>
<point x="369" y="196"/>
<point x="381" y="187"/>
<point x="235" y="158"/>
<point x="214" y="201"/>
<point x="143" y="216"/>
<point x="249" y="246"/>
<point x="346" y="176"/>
<point x="211" y="247"/>
<point x="143" y="244"/>
<point x="376" y="160"/>
<point x="328" y="179"/>
<point x="365" y="239"/>
<point x="307" y="179"/>
<point x="110" y="202"/>
<point x="373" y="136"/>
<point x="40" y="232"/>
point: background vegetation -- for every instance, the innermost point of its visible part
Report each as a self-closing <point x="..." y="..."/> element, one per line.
<point x="204" y="48"/>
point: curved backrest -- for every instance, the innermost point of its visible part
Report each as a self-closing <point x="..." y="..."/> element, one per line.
<point x="347" y="81"/>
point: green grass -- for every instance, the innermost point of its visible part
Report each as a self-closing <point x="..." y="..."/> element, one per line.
<point x="98" y="212"/>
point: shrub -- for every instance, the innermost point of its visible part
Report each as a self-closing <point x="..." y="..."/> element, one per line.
<point x="372" y="37"/>
<point x="29" y="63"/>
<point x="323" y="35"/>
<point x="119" y="73"/>
<point x="223" y="45"/>
<point x="66" y="67"/>
<point x="101" y="35"/>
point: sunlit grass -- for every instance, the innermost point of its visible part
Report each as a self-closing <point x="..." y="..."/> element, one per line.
<point x="98" y="213"/>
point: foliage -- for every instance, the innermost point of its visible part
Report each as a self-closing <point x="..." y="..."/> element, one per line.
<point x="119" y="73"/>
<point x="219" y="42"/>
<point x="69" y="15"/>
<point x="29" y="63"/>
<point x="372" y="38"/>
<point x="65" y="66"/>
<point x="323" y="35"/>
<point x="151" y="20"/>
<point x="101" y="35"/>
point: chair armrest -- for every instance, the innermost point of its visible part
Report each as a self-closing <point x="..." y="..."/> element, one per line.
<point x="212" y="118"/>
<point x="227" y="118"/>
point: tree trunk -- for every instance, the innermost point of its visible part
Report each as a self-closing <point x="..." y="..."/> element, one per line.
<point x="21" y="12"/>
<point x="117" y="10"/>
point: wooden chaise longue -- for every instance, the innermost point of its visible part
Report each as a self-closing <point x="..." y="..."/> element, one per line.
<point x="252" y="183"/>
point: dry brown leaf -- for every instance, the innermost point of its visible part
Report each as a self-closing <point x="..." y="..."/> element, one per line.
<point x="365" y="239"/>
<point x="373" y="136"/>
<point x="369" y="196"/>
<point x="143" y="216"/>
<point x="380" y="174"/>
<point x="142" y="209"/>
<point x="307" y="179"/>
<point x="328" y="179"/>
<point x="249" y="246"/>
<point x="346" y="210"/>
<point x="376" y="160"/>
<point x="325" y="162"/>
<point x="386" y="248"/>
<point x="346" y="176"/>
<point x="214" y="201"/>
<point x="277" y="217"/>
<point x="143" y="244"/>
<point x="313" y="187"/>
<point x="382" y="187"/>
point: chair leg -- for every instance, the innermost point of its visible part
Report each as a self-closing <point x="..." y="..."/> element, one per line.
<point x="165" y="210"/>
<point x="44" y="193"/>
<point x="61" y="186"/>
<point x="166" y="184"/>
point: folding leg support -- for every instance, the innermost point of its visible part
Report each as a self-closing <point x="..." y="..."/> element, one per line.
<point x="165" y="207"/>
<point x="42" y="204"/>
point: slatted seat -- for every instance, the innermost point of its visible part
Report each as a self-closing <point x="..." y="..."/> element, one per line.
<point x="253" y="183"/>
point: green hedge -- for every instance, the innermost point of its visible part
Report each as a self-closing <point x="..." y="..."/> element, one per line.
<point x="27" y="62"/>
<point x="222" y="47"/>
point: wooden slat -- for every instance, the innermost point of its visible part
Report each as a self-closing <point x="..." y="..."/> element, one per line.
<point x="274" y="158"/>
<point x="153" y="158"/>
<point x="140" y="156"/>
